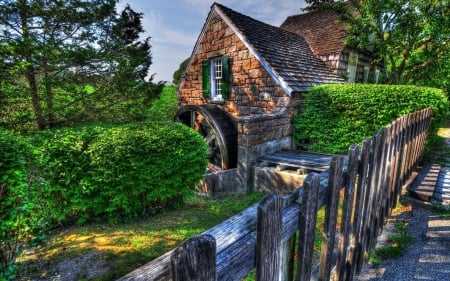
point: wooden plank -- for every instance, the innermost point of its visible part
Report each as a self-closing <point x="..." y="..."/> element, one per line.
<point x="346" y="234"/>
<point x="159" y="269"/>
<point x="424" y="186"/>
<point x="308" y="216"/>
<point x="387" y="194"/>
<point x="334" y="185"/>
<point x="379" y="184"/>
<point x="195" y="259"/>
<point x="236" y="261"/>
<point x="268" y="238"/>
<point x="361" y="201"/>
<point x="299" y="160"/>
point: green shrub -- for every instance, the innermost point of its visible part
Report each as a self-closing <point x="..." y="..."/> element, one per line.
<point x="64" y="168"/>
<point x="118" y="172"/>
<point x="19" y="218"/>
<point x="334" y="117"/>
<point x="138" y="168"/>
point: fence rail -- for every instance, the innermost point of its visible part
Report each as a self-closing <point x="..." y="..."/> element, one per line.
<point x="264" y="236"/>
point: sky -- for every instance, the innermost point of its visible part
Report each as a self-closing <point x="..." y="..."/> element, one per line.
<point x="174" y="25"/>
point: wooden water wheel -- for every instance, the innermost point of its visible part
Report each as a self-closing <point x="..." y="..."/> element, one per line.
<point x="218" y="129"/>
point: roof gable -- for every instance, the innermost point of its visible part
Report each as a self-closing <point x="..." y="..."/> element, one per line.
<point x="320" y="28"/>
<point x="286" y="56"/>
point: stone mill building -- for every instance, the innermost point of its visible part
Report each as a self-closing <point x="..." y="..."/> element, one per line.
<point x="242" y="86"/>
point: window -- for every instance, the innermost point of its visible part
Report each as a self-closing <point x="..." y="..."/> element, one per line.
<point x="215" y="78"/>
<point x="352" y="66"/>
<point x="366" y="74"/>
<point x="377" y="76"/>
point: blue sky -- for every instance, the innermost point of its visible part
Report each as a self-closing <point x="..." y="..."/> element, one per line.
<point x="174" y="25"/>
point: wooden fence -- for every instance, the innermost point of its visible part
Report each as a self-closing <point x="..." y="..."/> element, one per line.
<point x="277" y="235"/>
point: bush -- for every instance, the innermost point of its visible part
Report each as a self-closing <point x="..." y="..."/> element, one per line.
<point x="140" y="168"/>
<point x="119" y="172"/>
<point x="19" y="217"/>
<point x="337" y="116"/>
<point x="64" y="168"/>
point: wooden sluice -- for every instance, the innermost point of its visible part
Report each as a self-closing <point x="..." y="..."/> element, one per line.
<point x="302" y="161"/>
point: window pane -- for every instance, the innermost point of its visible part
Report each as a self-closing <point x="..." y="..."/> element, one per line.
<point x="217" y="76"/>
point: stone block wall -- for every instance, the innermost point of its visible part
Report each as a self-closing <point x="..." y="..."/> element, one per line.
<point x="261" y="108"/>
<point x="252" y="89"/>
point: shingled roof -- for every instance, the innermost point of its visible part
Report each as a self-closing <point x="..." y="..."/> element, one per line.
<point x="285" y="55"/>
<point x="320" y="28"/>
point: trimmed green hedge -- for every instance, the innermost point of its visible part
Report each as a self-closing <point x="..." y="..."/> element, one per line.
<point x="336" y="116"/>
<point x="118" y="172"/>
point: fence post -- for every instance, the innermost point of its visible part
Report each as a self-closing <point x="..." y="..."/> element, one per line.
<point x="335" y="182"/>
<point x="268" y="238"/>
<point x="362" y="196"/>
<point x="344" y="259"/>
<point x="195" y="259"/>
<point x="307" y="224"/>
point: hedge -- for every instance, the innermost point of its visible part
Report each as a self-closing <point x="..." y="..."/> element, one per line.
<point x="118" y="173"/>
<point x="333" y="117"/>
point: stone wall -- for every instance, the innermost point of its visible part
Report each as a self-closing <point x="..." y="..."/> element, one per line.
<point x="252" y="89"/>
<point x="261" y="108"/>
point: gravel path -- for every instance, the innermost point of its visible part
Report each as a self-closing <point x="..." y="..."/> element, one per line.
<point x="427" y="258"/>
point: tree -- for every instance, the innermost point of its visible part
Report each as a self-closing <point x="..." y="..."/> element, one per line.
<point x="177" y="74"/>
<point x="317" y="5"/>
<point x="77" y="60"/>
<point x="410" y="36"/>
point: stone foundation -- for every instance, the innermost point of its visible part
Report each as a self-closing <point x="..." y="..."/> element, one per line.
<point x="268" y="179"/>
<point x="220" y="183"/>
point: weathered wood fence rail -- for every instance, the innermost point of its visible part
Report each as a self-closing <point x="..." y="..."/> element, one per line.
<point x="264" y="236"/>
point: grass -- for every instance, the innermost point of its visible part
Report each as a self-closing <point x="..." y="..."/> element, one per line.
<point x="443" y="211"/>
<point x="399" y="240"/>
<point x="121" y="248"/>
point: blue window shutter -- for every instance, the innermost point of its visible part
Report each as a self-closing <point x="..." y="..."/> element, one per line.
<point x="205" y="79"/>
<point x="225" y="76"/>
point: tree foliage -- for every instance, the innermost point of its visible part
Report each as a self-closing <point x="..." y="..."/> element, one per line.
<point x="19" y="213"/>
<point x="177" y="74"/>
<point x="65" y="62"/>
<point x="412" y="37"/>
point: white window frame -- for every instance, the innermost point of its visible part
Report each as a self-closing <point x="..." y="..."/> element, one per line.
<point x="216" y="77"/>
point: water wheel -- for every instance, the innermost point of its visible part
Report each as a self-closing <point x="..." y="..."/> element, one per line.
<point x="218" y="129"/>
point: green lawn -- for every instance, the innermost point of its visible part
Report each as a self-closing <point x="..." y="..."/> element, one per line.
<point x="115" y="250"/>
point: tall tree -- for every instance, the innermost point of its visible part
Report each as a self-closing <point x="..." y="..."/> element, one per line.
<point x="412" y="36"/>
<point x="76" y="59"/>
